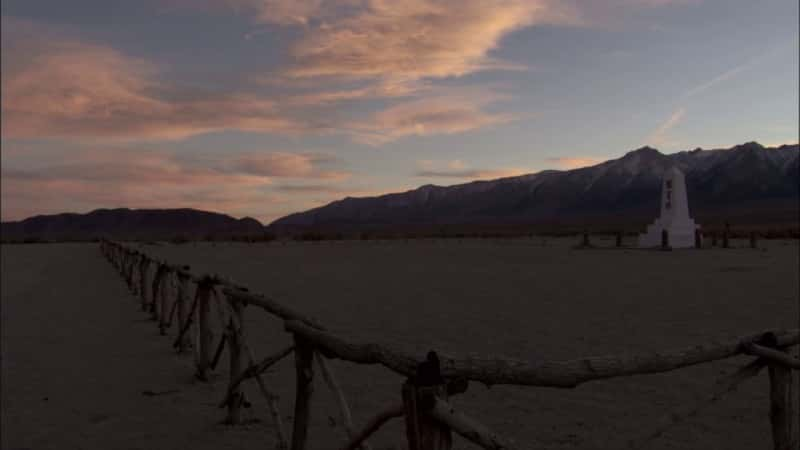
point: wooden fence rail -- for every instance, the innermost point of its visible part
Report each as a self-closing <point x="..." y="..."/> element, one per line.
<point x="193" y="305"/>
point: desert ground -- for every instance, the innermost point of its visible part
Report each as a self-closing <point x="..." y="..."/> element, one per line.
<point x="78" y="355"/>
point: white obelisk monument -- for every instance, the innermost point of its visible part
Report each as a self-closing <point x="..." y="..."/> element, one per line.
<point x="674" y="214"/>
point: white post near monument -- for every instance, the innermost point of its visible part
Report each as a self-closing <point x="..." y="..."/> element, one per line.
<point x="674" y="216"/>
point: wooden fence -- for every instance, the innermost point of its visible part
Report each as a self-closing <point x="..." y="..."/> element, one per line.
<point x="187" y="303"/>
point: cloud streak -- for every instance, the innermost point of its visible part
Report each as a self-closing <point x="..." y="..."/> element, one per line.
<point x="660" y="136"/>
<point x="448" y="114"/>
<point x="458" y="169"/>
<point x="574" y="162"/>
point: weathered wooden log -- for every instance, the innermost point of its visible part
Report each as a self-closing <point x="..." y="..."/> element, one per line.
<point x="144" y="282"/>
<point x="182" y="335"/>
<point x="564" y="374"/>
<point x="172" y="311"/>
<point x="236" y="340"/>
<point x="184" y="315"/>
<point x="271" y="306"/>
<point x="125" y="269"/>
<point x="374" y="425"/>
<point x="151" y="307"/>
<point x="158" y="298"/>
<point x="271" y="398"/>
<point x="304" y="371"/>
<point x="272" y="405"/>
<point x="134" y="281"/>
<point x="218" y="352"/>
<point x="585" y="239"/>
<point x="255" y="370"/>
<point x="420" y="393"/>
<point x="344" y="408"/>
<point x="772" y="355"/>
<point x="726" y="236"/>
<point x="722" y="387"/>
<point x="203" y="337"/>
<point x="780" y="411"/>
<point x="130" y="270"/>
<point x="467" y="427"/>
<point x="165" y="302"/>
<point x="225" y="312"/>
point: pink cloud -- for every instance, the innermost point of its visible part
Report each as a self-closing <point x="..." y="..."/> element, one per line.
<point x="55" y="86"/>
<point x="458" y="169"/>
<point x="388" y="89"/>
<point x="575" y="162"/>
<point x="61" y="87"/>
<point x="420" y="39"/>
<point x="449" y="114"/>
<point x="416" y="39"/>
<point x="288" y="165"/>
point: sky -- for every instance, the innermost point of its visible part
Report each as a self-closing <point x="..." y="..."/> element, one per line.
<point x="262" y="108"/>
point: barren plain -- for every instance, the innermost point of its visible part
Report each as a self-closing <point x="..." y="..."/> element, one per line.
<point x="83" y="367"/>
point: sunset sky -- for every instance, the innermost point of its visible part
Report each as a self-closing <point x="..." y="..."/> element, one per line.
<point x="265" y="107"/>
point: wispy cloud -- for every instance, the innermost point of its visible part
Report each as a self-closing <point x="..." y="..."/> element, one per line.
<point x="416" y="39"/>
<point x="57" y="86"/>
<point x="447" y="114"/>
<point x="574" y="162"/>
<point x="286" y="165"/>
<point x="67" y="88"/>
<point x="458" y="169"/>
<point x="660" y="137"/>
<point x="727" y="75"/>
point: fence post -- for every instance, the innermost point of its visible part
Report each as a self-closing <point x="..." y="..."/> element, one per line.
<point x="698" y="239"/>
<point x="726" y="236"/>
<point x="134" y="278"/>
<point x="585" y="241"/>
<point x="130" y="270"/>
<point x="714" y="239"/>
<point x="203" y="346"/>
<point x="619" y="239"/>
<point x="780" y="390"/>
<point x="183" y="314"/>
<point x="303" y="354"/>
<point x="145" y="268"/>
<point x="753" y="242"/>
<point x="165" y="303"/>
<point x="158" y="279"/>
<point x="235" y="343"/>
<point x="419" y="395"/>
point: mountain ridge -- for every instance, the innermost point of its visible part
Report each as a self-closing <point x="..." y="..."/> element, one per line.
<point x="125" y="223"/>
<point x="747" y="178"/>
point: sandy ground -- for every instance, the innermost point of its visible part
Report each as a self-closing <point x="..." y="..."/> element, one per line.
<point x="77" y="354"/>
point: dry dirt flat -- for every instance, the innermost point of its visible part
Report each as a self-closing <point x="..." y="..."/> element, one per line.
<point x="74" y="336"/>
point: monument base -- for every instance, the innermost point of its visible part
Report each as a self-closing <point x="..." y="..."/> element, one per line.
<point x="680" y="236"/>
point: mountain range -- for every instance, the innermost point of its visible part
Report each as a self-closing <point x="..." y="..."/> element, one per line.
<point x="123" y="223"/>
<point x="747" y="183"/>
